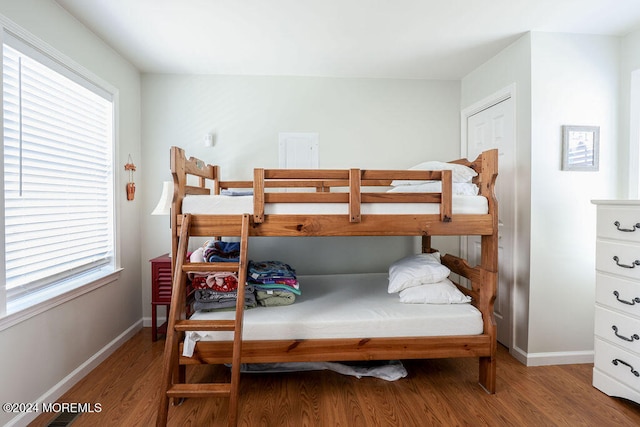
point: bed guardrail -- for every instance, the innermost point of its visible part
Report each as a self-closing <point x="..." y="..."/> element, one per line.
<point x="352" y="182"/>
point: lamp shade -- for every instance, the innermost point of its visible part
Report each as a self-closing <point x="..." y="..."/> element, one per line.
<point x="164" y="204"/>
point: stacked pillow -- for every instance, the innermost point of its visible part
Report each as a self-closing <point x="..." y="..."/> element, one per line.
<point x="423" y="279"/>
<point x="459" y="173"/>
<point x="461" y="176"/>
<point x="457" y="188"/>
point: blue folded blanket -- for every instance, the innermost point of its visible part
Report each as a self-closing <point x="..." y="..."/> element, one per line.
<point x="218" y="251"/>
<point x="237" y="192"/>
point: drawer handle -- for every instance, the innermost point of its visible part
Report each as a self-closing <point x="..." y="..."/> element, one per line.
<point x="632" y="302"/>
<point x="633" y="371"/>
<point x="633" y="337"/>
<point x="628" y="230"/>
<point x="633" y="264"/>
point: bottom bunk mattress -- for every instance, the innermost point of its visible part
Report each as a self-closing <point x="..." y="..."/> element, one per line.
<point x="345" y="306"/>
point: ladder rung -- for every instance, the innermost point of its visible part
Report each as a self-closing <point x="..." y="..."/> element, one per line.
<point x="205" y="325"/>
<point x="210" y="266"/>
<point x="199" y="390"/>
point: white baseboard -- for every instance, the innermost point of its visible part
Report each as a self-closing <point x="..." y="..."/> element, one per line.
<point x="519" y="354"/>
<point x="552" y="358"/>
<point x="77" y="374"/>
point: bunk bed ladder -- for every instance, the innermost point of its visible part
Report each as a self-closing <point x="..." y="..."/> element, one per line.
<point x="174" y="385"/>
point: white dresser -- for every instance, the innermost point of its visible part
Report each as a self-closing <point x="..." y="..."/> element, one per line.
<point x="616" y="369"/>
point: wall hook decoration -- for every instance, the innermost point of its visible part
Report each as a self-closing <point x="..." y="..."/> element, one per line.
<point x="131" y="186"/>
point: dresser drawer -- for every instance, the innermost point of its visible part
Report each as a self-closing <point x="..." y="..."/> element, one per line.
<point x="619" y="222"/>
<point x="618" y="328"/>
<point x="618" y="293"/>
<point x="617" y="363"/>
<point x="618" y="258"/>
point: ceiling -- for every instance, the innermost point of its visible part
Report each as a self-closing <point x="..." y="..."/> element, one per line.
<point x="414" y="39"/>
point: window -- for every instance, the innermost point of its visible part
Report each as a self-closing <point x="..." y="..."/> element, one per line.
<point x="58" y="175"/>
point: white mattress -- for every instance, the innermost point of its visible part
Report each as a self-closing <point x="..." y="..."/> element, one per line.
<point x="346" y="306"/>
<point x="231" y="205"/>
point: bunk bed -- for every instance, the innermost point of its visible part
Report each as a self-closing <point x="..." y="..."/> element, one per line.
<point x="321" y="202"/>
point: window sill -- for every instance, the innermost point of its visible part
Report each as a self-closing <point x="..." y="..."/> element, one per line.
<point x="30" y="305"/>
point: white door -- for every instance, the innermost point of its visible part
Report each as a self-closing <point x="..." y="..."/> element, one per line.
<point x="494" y="127"/>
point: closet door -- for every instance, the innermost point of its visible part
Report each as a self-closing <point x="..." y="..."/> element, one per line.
<point x="494" y="127"/>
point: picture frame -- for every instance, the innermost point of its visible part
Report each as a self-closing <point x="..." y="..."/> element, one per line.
<point x="580" y="148"/>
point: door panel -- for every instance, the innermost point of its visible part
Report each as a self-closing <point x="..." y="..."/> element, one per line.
<point x="494" y="127"/>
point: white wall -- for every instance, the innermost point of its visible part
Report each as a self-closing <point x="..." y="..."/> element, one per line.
<point x="575" y="81"/>
<point x="365" y="123"/>
<point x="37" y="354"/>
<point x="629" y="152"/>
<point x="560" y="79"/>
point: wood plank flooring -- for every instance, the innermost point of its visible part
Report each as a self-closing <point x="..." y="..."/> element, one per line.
<point x="441" y="392"/>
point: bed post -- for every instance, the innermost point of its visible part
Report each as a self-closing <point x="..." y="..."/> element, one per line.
<point x="489" y="262"/>
<point x="426" y="244"/>
<point x="216" y="180"/>
<point x="178" y="172"/>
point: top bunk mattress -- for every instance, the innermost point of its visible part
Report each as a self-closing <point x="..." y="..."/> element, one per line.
<point x="345" y="306"/>
<point x="232" y="205"/>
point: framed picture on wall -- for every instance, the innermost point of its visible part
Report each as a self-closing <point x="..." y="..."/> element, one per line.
<point x="580" y="148"/>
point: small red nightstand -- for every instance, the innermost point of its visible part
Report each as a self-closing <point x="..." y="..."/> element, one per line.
<point x="161" y="285"/>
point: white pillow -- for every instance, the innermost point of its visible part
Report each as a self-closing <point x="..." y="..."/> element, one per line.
<point x="416" y="270"/>
<point x="460" y="173"/>
<point x="444" y="292"/>
<point x="458" y="188"/>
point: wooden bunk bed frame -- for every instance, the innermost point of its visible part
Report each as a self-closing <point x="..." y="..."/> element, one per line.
<point x="482" y="278"/>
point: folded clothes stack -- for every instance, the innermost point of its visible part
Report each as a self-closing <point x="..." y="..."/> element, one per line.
<point x="219" y="290"/>
<point x="275" y="282"/>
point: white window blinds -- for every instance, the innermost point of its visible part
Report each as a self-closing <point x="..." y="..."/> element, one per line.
<point x="58" y="172"/>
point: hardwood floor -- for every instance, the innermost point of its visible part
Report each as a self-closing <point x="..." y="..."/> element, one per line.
<point x="442" y="392"/>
